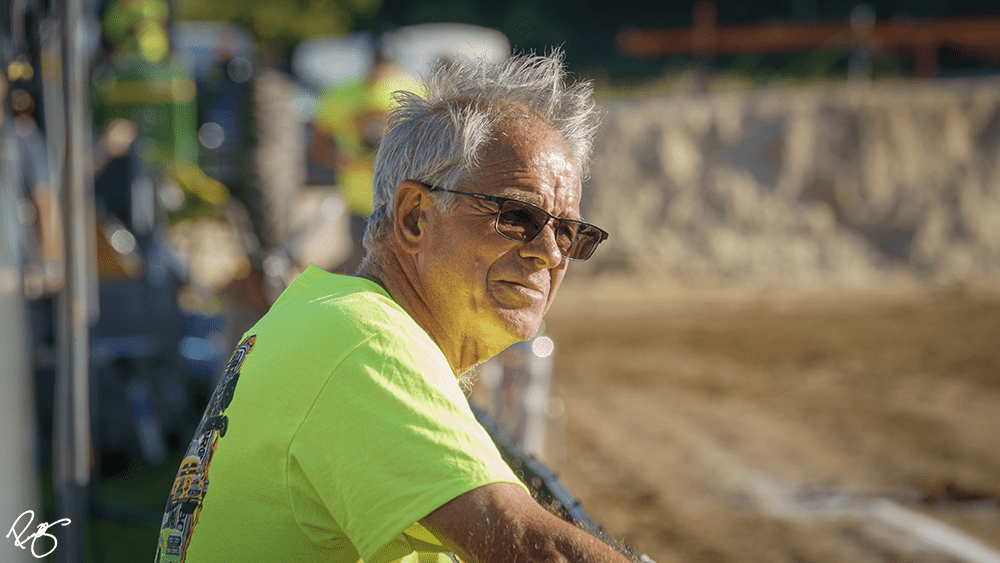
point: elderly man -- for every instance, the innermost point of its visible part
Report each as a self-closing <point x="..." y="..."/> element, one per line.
<point x="339" y="431"/>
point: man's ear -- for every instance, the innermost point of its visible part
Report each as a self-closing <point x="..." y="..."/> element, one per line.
<point x="410" y="222"/>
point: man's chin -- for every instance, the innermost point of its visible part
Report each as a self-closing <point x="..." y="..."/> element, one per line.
<point x="519" y="324"/>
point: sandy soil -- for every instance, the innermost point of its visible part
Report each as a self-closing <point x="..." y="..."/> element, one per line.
<point x="772" y="426"/>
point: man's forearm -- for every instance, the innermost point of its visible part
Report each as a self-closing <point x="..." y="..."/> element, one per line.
<point x="501" y="523"/>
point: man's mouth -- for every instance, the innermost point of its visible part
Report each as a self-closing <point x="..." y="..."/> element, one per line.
<point x="522" y="290"/>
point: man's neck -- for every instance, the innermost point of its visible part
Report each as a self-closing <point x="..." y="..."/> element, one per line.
<point x="461" y="350"/>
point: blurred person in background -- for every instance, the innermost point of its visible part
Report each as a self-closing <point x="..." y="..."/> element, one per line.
<point x="339" y="431"/>
<point x="349" y="125"/>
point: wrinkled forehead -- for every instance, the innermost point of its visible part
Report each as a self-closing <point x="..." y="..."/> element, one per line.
<point x="560" y="162"/>
<point x="528" y="155"/>
<point x="521" y="136"/>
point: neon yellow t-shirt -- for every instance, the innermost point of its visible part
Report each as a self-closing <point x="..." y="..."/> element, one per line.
<point x="337" y="425"/>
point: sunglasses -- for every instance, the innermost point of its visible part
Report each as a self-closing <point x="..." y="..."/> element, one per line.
<point x="520" y="221"/>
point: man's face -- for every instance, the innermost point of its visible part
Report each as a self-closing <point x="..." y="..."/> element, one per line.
<point x="492" y="290"/>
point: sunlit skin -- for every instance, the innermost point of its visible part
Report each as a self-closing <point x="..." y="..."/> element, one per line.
<point x="474" y="291"/>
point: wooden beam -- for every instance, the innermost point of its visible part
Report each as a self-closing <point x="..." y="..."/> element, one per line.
<point x="972" y="34"/>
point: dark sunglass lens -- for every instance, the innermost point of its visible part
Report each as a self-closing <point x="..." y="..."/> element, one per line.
<point x="520" y="221"/>
<point x="566" y="233"/>
<point x="584" y="244"/>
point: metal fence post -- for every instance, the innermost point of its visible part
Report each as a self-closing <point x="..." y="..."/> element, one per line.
<point x="75" y="307"/>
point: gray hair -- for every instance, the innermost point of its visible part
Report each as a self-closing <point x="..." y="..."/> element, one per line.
<point x="437" y="139"/>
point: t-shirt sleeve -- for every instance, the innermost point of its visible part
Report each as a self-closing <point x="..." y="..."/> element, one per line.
<point x="391" y="438"/>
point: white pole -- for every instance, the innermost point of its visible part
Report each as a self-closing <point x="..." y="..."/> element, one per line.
<point x="536" y="394"/>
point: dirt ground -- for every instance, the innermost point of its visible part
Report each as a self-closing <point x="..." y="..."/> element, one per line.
<point x="773" y="426"/>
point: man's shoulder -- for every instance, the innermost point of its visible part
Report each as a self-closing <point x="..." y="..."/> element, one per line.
<point x="350" y="307"/>
<point x="316" y="289"/>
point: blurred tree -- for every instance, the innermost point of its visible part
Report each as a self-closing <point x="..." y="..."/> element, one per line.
<point x="277" y="25"/>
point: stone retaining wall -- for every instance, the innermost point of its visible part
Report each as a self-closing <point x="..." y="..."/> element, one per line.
<point x="826" y="185"/>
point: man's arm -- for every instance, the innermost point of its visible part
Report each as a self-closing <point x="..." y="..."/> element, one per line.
<point x="501" y="523"/>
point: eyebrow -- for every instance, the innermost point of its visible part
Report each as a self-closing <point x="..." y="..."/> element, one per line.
<point x="533" y="199"/>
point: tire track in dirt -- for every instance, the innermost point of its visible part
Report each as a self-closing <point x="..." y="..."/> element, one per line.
<point x="692" y="464"/>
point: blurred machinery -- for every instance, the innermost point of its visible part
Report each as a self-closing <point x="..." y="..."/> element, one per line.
<point x="145" y="110"/>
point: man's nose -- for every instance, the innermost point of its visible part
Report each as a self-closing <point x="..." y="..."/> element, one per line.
<point x="543" y="247"/>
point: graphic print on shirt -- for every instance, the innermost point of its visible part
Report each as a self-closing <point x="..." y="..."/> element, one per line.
<point x="191" y="484"/>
